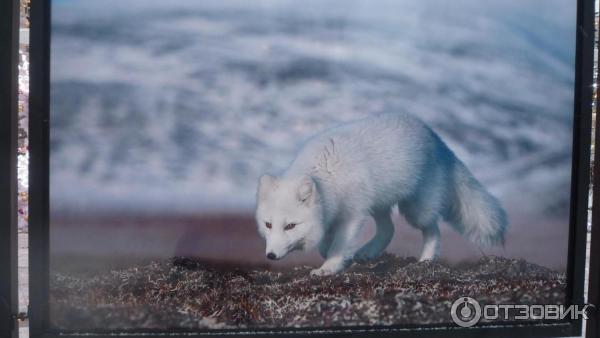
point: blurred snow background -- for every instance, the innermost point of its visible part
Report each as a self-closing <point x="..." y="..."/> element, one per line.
<point x="181" y="105"/>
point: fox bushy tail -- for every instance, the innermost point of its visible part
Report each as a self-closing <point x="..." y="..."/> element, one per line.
<point x="473" y="211"/>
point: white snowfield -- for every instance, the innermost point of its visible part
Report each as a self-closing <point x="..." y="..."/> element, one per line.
<point x="182" y="105"/>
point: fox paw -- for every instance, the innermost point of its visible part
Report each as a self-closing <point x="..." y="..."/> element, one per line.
<point x="428" y="256"/>
<point x="321" y="272"/>
<point x="332" y="266"/>
<point x="427" y="259"/>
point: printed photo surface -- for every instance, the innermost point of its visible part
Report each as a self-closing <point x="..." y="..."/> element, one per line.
<point x="283" y="164"/>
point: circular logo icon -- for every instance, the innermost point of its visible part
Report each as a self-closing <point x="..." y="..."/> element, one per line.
<point x="465" y="311"/>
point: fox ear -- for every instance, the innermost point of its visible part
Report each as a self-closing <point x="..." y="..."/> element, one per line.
<point x="306" y="190"/>
<point x="265" y="184"/>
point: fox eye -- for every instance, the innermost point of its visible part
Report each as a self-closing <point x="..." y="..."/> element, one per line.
<point x="268" y="225"/>
<point x="290" y="226"/>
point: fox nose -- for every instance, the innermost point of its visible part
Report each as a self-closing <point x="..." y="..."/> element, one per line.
<point x="271" y="255"/>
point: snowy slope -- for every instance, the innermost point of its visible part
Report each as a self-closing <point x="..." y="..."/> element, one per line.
<point x="178" y="106"/>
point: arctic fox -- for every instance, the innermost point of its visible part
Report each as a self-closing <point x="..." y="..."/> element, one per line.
<point x="363" y="169"/>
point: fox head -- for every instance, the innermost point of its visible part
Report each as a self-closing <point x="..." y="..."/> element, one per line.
<point x="289" y="214"/>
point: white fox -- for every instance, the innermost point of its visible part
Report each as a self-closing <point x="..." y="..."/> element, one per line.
<point x="363" y="169"/>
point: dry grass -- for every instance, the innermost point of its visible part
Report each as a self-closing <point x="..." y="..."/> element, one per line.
<point x="189" y="294"/>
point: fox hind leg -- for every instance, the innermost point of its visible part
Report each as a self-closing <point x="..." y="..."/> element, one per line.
<point x="431" y="242"/>
<point x="424" y="218"/>
<point x="383" y="236"/>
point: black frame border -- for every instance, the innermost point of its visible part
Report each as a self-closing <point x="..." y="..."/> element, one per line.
<point x="593" y="323"/>
<point x="9" y="61"/>
<point x="39" y="209"/>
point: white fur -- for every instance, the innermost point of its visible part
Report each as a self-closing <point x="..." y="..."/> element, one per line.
<point x="363" y="169"/>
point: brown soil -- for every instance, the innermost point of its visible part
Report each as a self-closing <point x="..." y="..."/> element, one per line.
<point x="185" y="293"/>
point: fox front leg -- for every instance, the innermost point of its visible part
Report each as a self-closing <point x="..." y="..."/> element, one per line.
<point x="375" y="247"/>
<point x="325" y="244"/>
<point x="342" y="249"/>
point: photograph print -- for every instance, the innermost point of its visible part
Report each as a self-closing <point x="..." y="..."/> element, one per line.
<point x="279" y="164"/>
